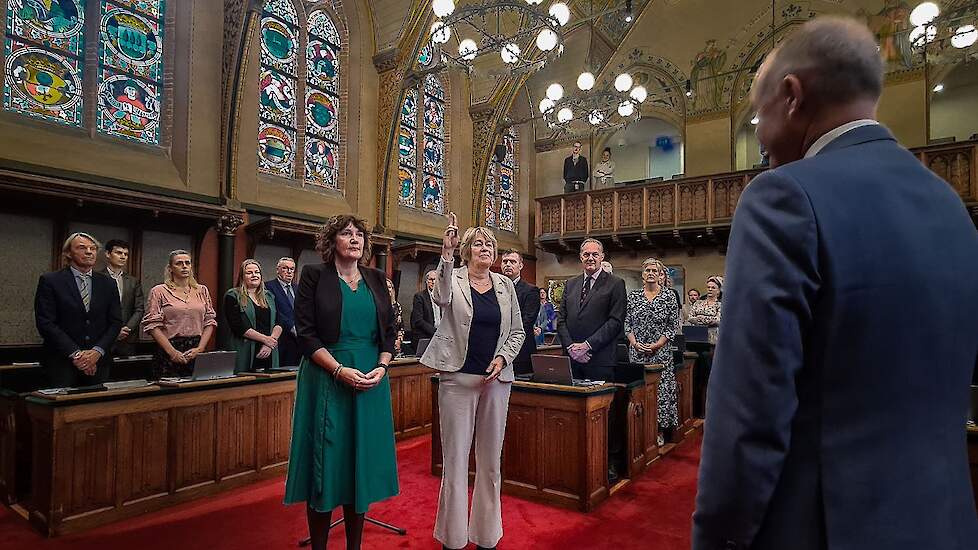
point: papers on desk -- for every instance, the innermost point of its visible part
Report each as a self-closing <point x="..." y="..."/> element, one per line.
<point x="125" y="384"/>
<point x="588" y="383"/>
<point x="175" y="379"/>
<point x="53" y="391"/>
<point x="34" y="364"/>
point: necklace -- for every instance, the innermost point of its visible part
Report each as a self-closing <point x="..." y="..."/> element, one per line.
<point x="352" y="283"/>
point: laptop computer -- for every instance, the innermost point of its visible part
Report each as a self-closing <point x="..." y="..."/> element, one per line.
<point x="211" y="365"/>
<point x="422" y="345"/>
<point x="554" y="369"/>
<point x="696" y="334"/>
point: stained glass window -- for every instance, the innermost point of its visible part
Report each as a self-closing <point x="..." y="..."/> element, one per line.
<point x="130" y="80"/>
<point x="44" y="50"/>
<point x="424" y="127"/>
<point x="322" y="101"/>
<point x="277" y="90"/>
<point x="501" y="186"/>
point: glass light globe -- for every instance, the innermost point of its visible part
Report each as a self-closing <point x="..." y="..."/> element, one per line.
<point x="555" y="91"/>
<point x="595" y="117"/>
<point x="639" y="93"/>
<point x="547" y="40"/>
<point x="623" y="82"/>
<point x="755" y="120"/>
<point x="443" y="8"/>
<point x="560" y="12"/>
<point x="585" y="81"/>
<point x="533" y="2"/>
<point x="467" y="49"/>
<point x="924" y="13"/>
<point x="565" y="115"/>
<point x="546" y="104"/>
<point x="626" y="108"/>
<point x="440" y="33"/>
<point x="510" y="53"/>
<point x="964" y="37"/>
<point x="922" y="35"/>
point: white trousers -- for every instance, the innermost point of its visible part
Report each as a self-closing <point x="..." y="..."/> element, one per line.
<point x="467" y="406"/>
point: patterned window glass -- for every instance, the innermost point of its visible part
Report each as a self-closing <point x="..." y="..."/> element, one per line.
<point x="501" y="181"/>
<point x="432" y="193"/>
<point x="44" y="51"/>
<point x="277" y="88"/>
<point x="322" y="101"/>
<point x="130" y="80"/>
<point x="421" y="143"/>
<point x="407" y="149"/>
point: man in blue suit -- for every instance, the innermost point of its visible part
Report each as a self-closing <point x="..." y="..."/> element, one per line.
<point x="78" y="315"/>
<point x="284" y="289"/>
<point x="839" y="392"/>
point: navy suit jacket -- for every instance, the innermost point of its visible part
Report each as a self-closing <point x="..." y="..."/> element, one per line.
<point x="839" y="390"/>
<point x="66" y="327"/>
<point x="529" y="297"/>
<point x="599" y="320"/>
<point x="284" y="314"/>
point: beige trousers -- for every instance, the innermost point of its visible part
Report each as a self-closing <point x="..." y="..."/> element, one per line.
<point x="467" y="406"/>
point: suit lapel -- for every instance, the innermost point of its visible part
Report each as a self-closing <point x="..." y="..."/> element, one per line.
<point x="462" y="280"/>
<point x="72" y="287"/>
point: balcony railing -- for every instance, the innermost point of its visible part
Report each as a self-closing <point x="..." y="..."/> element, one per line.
<point x="702" y="204"/>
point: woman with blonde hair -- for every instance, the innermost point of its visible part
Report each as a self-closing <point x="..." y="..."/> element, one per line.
<point x="651" y="322"/>
<point x="480" y="334"/>
<point x="249" y="310"/>
<point x="705" y="312"/>
<point x="180" y="318"/>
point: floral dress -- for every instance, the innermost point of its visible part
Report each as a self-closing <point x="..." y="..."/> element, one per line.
<point x="706" y="314"/>
<point x="648" y="321"/>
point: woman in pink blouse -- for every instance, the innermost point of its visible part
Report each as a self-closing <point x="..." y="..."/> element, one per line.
<point x="180" y="317"/>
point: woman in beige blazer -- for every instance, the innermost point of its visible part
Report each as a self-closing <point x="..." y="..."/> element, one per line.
<point x="481" y="332"/>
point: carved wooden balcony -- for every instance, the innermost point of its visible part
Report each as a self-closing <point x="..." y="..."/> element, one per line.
<point x="690" y="212"/>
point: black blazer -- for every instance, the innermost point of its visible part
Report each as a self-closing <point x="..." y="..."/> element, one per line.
<point x="600" y="320"/>
<point x="839" y="389"/>
<point x="529" y="297"/>
<point x="133" y="306"/>
<point x="422" y="316"/>
<point x="284" y="313"/>
<point x="319" y="306"/>
<point x="66" y="327"/>
<point x="575" y="172"/>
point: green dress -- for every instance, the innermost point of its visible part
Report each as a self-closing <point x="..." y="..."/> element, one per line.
<point x="343" y="439"/>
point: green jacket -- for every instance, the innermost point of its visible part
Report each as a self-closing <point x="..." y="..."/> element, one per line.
<point x="246" y="348"/>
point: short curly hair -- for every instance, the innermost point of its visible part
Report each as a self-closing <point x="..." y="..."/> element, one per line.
<point x="326" y="237"/>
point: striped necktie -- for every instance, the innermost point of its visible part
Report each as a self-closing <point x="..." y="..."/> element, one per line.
<point x="586" y="289"/>
<point x="84" y="287"/>
<point x="288" y="292"/>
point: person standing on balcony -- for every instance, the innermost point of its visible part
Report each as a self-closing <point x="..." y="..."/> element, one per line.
<point x="604" y="172"/>
<point x="575" y="170"/>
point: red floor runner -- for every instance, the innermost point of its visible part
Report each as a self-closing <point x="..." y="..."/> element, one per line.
<point x="653" y="513"/>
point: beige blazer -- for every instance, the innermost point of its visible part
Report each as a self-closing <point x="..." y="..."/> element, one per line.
<point x="448" y="346"/>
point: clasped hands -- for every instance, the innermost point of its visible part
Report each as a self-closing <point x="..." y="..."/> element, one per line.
<point x="646" y="348"/>
<point x="360" y="381"/>
<point x="86" y="361"/>
<point x="269" y="343"/>
<point x="579" y="352"/>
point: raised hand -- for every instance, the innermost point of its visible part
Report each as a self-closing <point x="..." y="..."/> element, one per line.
<point x="450" y="240"/>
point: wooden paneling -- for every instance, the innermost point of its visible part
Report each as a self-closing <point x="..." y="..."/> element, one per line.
<point x="635" y="431"/>
<point x="597" y="456"/>
<point x="274" y="429"/>
<point x="86" y="475"/>
<point x="651" y="416"/>
<point x="237" y="447"/>
<point x="410" y="399"/>
<point x="8" y="449"/>
<point x="143" y="455"/>
<point x="194" y="444"/>
<point x="522" y="448"/>
<point x="562" y="430"/>
<point x="691" y="203"/>
<point x="96" y="460"/>
<point x="684" y="386"/>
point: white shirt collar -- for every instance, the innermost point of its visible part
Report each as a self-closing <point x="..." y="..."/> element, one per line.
<point x="283" y="283"/>
<point x="77" y="273"/>
<point x="594" y="278"/>
<point x="112" y="273"/>
<point x="832" y="135"/>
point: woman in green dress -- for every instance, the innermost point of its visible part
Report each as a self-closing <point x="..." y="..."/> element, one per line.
<point x="342" y="427"/>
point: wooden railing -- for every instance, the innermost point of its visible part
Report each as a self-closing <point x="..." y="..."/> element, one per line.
<point x="705" y="201"/>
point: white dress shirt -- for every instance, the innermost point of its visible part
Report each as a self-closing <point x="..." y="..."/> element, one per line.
<point x="832" y="135"/>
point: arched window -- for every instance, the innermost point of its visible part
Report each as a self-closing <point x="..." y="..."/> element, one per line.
<point x="284" y="138"/>
<point x="423" y="120"/>
<point x="45" y="58"/>
<point x="130" y="79"/>
<point x="502" y="181"/>
<point x="277" y="88"/>
<point x="322" y="101"/>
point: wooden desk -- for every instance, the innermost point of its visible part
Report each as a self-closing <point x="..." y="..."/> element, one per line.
<point x="99" y="458"/>
<point x="556" y="445"/>
<point x="553" y="349"/>
<point x="653" y="376"/>
<point x="684" y="387"/>
<point x="410" y="397"/>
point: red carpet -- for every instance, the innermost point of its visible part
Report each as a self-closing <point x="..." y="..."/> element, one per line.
<point x="653" y="513"/>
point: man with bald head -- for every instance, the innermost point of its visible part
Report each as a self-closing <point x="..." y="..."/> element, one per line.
<point x="839" y="390"/>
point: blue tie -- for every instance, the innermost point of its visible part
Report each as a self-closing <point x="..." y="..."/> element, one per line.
<point x="288" y="292"/>
<point x="86" y="293"/>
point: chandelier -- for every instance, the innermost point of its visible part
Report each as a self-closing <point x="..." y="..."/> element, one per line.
<point x="481" y="28"/>
<point x="929" y="26"/>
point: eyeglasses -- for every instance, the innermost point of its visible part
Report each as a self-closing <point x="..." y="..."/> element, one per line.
<point x="283" y="268"/>
<point x="590" y="254"/>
